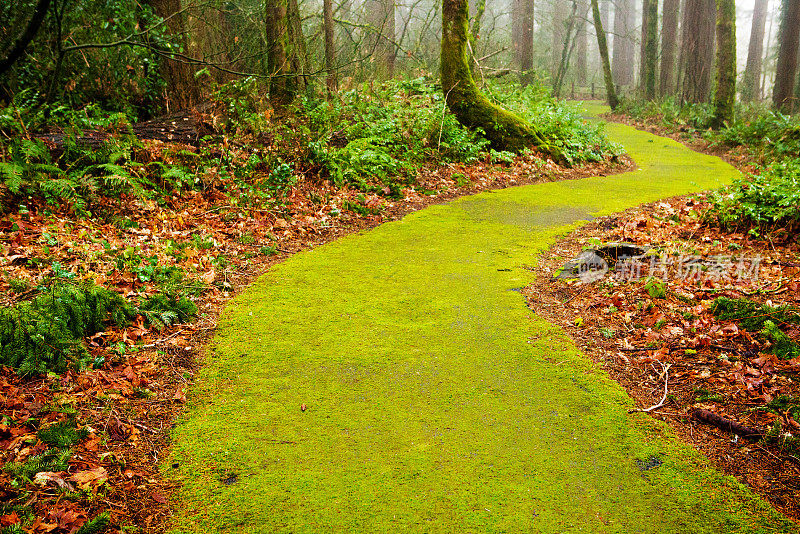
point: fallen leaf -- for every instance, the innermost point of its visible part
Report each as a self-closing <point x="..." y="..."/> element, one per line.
<point x="90" y="477"/>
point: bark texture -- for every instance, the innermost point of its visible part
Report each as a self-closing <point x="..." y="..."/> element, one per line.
<point x="505" y="130"/>
<point x="751" y="81"/>
<point x="698" y="49"/>
<point x="786" y="69"/>
<point x="669" y="45"/>
<point x="602" y="45"/>
<point x="182" y="89"/>
<point x="725" y="97"/>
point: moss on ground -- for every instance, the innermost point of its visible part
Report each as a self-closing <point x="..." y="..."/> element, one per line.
<point x="437" y="401"/>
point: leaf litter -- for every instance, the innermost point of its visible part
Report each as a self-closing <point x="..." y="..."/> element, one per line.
<point x="117" y="411"/>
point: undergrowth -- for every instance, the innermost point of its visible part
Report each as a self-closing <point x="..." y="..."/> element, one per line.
<point x="764" y="203"/>
<point x="46" y="333"/>
<point x="372" y="138"/>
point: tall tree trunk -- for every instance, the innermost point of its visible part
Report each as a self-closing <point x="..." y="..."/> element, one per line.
<point x="726" y="63"/>
<point x="602" y="45"/>
<point x="526" y="41"/>
<point x="698" y="49"/>
<point x="283" y="81"/>
<point x="182" y="88"/>
<point x="669" y="42"/>
<point x="381" y="13"/>
<point x="332" y="82"/>
<point x="624" y="17"/>
<point x="649" y="48"/>
<point x="786" y="69"/>
<point x="751" y="81"/>
<point x="505" y="130"/>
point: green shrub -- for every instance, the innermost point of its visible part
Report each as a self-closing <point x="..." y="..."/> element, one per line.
<point x="162" y="310"/>
<point x="765" y="201"/>
<point x="44" y="334"/>
<point x="752" y="315"/>
<point x="61" y="435"/>
<point x="96" y="525"/>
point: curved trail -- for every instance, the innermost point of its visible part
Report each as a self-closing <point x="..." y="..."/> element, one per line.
<point x="437" y="402"/>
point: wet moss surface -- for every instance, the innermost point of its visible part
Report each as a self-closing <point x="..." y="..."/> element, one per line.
<point x="436" y="401"/>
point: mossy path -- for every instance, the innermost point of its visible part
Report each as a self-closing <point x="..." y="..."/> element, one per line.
<point x="437" y="402"/>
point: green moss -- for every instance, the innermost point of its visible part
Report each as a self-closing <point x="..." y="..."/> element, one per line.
<point x="432" y="401"/>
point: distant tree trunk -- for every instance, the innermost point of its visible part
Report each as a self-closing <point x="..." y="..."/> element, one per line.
<point x="560" y="16"/>
<point x="698" y="49"/>
<point x="516" y="31"/>
<point x="570" y="33"/>
<point x="624" y="17"/>
<point x="605" y="11"/>
<point x="581" y="45"/>
<point x="526" y="41"/>
<point x="332" y="82"/>
<point x="649" y="48"/>
<point x="786" y="69"/>
<point x="602" y="45"/>
<point x="505" y="130"/>
<point x="381" y="14"/>
<point x="751" y="81"/>
<point x="669" y="44"/>
<point x="726" y="63"/>
<point x="182" y="88"/>
<point x="283" y="81"/>
<point x="27" y="36"/>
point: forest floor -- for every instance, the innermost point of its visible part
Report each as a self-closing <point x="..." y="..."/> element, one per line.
<point x="130" y="401"/>
<point x="395" y="380"/>
<point x="647" y="338"/>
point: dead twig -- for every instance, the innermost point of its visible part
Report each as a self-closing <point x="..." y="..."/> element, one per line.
<point x="665" y="374"/>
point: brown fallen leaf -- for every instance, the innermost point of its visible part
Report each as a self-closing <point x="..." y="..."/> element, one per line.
<point x="158" y="497"/>
<point x="90" y="477"/>
<point x="179" y="396"/>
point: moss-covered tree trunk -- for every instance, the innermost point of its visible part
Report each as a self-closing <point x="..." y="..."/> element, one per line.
<point x="649" y="48"/>
<point x="283" y="81"/>
<point x="725" y="96"/>
<point x="602" y="44"/>
<point x="182" y="88"/>
<point x="505" y="130"/>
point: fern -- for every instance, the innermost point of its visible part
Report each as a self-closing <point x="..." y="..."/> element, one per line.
<point x="61" y="435"/>
<point x="96" y="525"/>
<point x="45" y="333"/>
<point x="50" y="460"/>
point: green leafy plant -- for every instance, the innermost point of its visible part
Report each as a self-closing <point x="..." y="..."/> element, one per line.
<point x="765" y="202"/>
